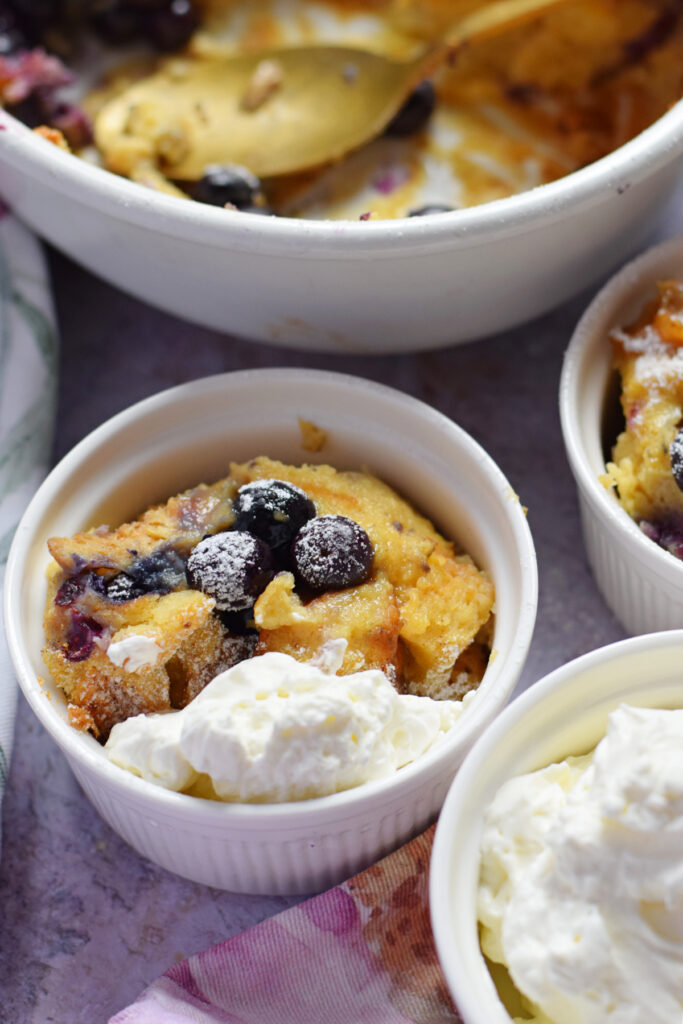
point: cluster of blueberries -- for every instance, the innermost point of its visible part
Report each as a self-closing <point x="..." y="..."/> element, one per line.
<point x="159" y="573"/>
<point x="275" y="529"/>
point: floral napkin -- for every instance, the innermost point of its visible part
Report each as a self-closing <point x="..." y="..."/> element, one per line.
<point x="361" y="953"/>
<point x="28" y="358"/>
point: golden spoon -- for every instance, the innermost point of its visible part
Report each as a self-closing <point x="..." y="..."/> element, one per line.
<point x="279" y="111"/>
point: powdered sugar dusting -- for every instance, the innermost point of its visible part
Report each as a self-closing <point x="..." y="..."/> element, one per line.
<point x="333" y="551"/>
<point x="273" y="510"/>
<point x="677" y="447"/>
<point x="274" y="491"/>
<point x="676" y="454"/>
<point x="232" y="568"/>
<point x="657" y="365"/>
<point x="659" y="369"/>
<point x="647" y="340"/>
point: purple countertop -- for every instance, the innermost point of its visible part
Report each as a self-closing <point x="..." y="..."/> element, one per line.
<point x="86" y="921"/>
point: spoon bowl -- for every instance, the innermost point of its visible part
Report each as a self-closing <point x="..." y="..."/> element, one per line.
<point x="277" y="111"/>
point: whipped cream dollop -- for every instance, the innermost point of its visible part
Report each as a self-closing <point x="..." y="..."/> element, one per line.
<point x="134" y="652"/>
<point x="581" y="882"/>
<point x="273" y="729"/>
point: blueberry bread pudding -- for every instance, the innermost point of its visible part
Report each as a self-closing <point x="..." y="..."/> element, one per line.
<point x="272" y="558"/>
<point x="646" y="469"/>
<point x="510" y="113"/>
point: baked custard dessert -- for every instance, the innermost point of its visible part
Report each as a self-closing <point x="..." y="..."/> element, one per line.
<point x="511" y="113"/>
<point x="273" y="559"/>
<point x="646" y="469"/>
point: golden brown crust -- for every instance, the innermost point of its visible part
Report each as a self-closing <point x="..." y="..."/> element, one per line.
<point x="110" y="693"/>
<point x="180" y="523"/>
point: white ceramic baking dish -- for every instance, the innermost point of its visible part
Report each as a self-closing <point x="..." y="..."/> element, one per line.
<point x="344" y="286"/>
<point x="190" y="433"/>
<point x="640" y="581"/>
<point x="563" y="714"/>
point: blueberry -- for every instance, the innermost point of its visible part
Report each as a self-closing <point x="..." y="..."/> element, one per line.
<point x="423" y="211"/>
<point x="667" y="533"/>
<point x="233" y="568"/>
<point x="75" y="586"/>
<point x="122" y="587"/>
<point x="11" y="41"/>
<point x="239" y="623"/>
<point x="415" y="112"/>
<point x="651" y="530"/>
<point x="73" y="123"/>
<point x="676" y="453"/>
<point x="82" y="635"/>
<point x="115" y="22"/>
<point x="227" y="183"/>
<point x="332" y="552"/>
<point x="12" y="38"/>
<point x="159" y="573"/>
<point x="172" y="25"/>
<point x="273" y="510"/>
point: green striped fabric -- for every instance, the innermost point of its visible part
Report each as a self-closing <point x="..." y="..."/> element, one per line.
<point x="28" y="377"/>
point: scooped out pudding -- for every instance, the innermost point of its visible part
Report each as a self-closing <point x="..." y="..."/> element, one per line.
<point x="646" y="469"/>
<point x="508" y="113"/>
<point x="271" y="559"/>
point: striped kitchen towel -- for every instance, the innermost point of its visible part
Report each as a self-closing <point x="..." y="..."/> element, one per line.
<point x="28" y="377"/>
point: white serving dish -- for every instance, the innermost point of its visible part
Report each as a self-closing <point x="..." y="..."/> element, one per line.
<point x="190" y="433"/>
<point x="563" y="714"/>
<point x="641" y="582"/>
<point x="345" y="286"/>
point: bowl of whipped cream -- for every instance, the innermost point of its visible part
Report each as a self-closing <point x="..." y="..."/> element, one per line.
<point x="349" y="768"/>
<point x="556" y="881"/>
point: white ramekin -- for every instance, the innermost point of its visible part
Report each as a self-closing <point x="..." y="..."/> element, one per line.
<point x="641" y="582"/>
<point x="563" y="714"/>
<point x="346" y="286"/>
<point x="191" y="433"/>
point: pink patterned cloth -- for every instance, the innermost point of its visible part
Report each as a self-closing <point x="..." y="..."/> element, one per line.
<point x="361" y="953"/>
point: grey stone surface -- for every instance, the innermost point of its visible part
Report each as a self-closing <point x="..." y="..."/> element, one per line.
<point x="86" y="922"/>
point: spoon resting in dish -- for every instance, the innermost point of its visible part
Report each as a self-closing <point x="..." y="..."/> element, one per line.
<point x="280" y="111"/>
